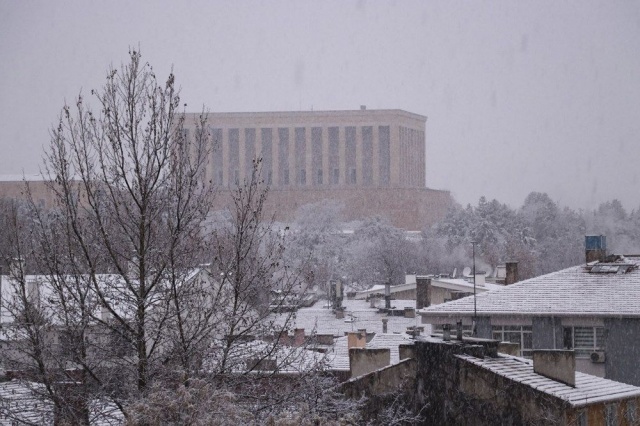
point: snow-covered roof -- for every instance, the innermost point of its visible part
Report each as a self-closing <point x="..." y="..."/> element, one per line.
<point x="588" y="390"/>
<point x="455" y="284"/>
<point x="23" y="402"/>
<point x="338" y="356"/>
<point x="392" y="342"/>
<point x="575" y="291"/>
<point x="379" y="289"/>
<point x="461" y="284"/>
<point x="113" y="286"/>
<point x="357" y="315"/>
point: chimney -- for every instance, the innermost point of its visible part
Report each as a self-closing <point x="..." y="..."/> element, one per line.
<point x="384" y="324"/>
<point x="511" y="273"/>
<point x="387" y="295"/>
<point x="423" y="285"/>
<point x="558" y="365"/>
<point x="446" y="332"/>
<point x="595" y="248"/>
<point x="282" y="338"/>
<point x="298" y="337"/>
<point x="459" y="330"/>
<point x="363" y="361"/>
<point x="355" y="339"/>
<point x="363" y="107"/>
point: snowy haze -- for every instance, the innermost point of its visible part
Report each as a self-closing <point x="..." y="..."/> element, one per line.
<point x="520" y="97"/>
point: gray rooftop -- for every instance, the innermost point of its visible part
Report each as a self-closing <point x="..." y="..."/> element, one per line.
<point x="588" y="390"/>
<point x="576" y="291"/>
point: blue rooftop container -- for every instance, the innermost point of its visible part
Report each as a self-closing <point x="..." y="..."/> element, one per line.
<point x="595" y="242"/>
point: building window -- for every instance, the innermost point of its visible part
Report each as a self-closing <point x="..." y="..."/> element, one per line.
<point x="334" y="153"/>
<point x="367" y="155"/>
<point x="267" y="161"/>
<point x="236" y="177"/>
<point x="300" y="155"/>
<point x="352" y="176"/>
<point x="249" y="151"/>
<point x="216" y="137"/>
<point x="319" y="175"/>
<point x="520" y="334"/>
<point x="283" y="156"/>
<point x="466" y="329"/>
<point x="584" y="340"/>
<point x="384" y="155"/>
<point x="316" y="152"/>
<point x="350" y="153"/>
<point x="234" y="155"/>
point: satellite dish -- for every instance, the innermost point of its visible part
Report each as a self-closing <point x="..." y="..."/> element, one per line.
<point x="466" y="271"/>
<point x="488" y="271"/>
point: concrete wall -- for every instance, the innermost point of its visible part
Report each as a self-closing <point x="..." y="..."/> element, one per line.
<point x="382" y="380"/>
<point x="622" y="345"/>
<point x="556" y="364"/>
<point x="406" y="208"/>
<point x="459" y="392"/>
<point x="363" y="361"/>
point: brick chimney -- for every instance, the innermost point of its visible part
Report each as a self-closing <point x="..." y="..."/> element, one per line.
<point x="298" y="337"/>
<point x="423" y="285"/>
<point x="355" y="339"/>
<point x="511" y="273"/>
<point x="387" y="295"/>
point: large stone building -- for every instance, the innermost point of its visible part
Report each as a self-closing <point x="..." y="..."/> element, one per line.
<point x="373" y="161"/>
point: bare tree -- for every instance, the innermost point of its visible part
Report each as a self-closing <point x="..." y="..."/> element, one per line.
<point x="117" y="249"/>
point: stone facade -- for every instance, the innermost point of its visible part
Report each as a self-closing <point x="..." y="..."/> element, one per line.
<point x="372" y="161"/>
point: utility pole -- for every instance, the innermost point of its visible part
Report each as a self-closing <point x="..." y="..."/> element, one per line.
<point x="475" y="311"/>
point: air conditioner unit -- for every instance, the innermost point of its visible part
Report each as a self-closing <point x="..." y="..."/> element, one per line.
<point x="597" y="356"/>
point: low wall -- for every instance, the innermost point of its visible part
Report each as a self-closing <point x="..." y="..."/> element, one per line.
<point x="382" y="381"/>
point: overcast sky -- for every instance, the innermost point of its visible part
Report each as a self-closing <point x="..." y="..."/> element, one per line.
<point x="520" y="96"/>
